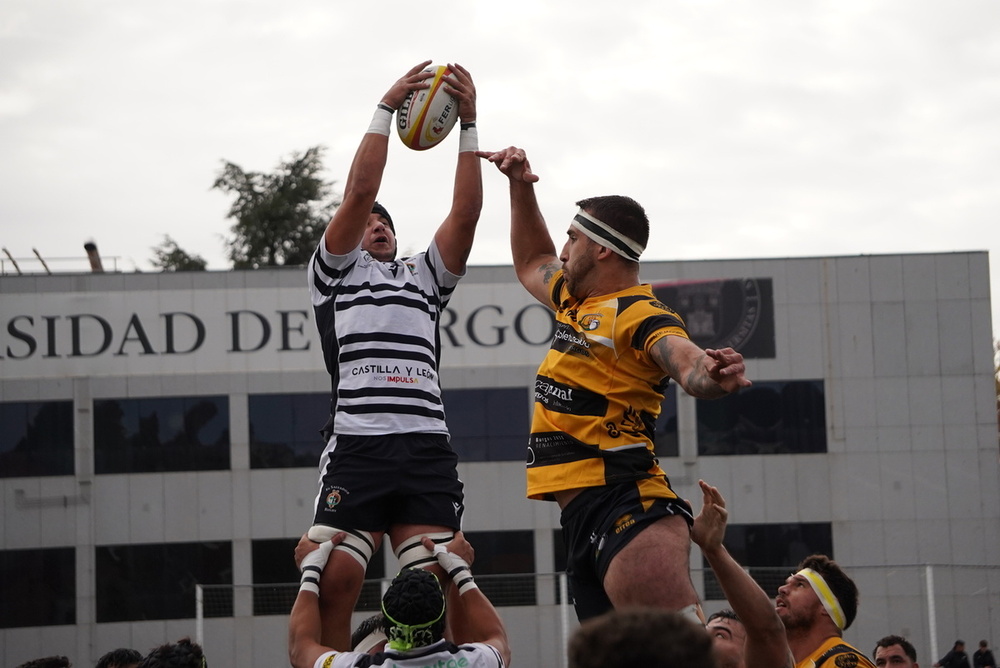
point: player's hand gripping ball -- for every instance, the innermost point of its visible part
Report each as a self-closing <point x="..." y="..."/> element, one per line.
<point x="427" y="115"/>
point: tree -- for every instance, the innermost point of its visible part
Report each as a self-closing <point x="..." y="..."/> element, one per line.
<point x="279" y="216"/>
<point x="168" y="256"/>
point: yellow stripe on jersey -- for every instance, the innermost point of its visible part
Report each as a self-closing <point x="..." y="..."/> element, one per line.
<point x="598" y="391"/>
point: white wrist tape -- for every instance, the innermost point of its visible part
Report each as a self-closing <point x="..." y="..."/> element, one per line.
<point x="312" y="567"/>
<point x="381" y="122"/>
<point x="468" y="140"/>
<point x="457" y="568"/>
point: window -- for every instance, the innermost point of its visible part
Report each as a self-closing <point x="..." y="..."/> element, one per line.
<point x="730" y="312"/>
<point x="772" y="417"/>
<point x="771" y="551"/>
<point x="137" y="582"/>
<point x="665" y="436"/>
<point x="505" y="555"/>
<point x="485" y="425"/>
<point x="39" y="587"/>
<point x="274" y="564"/>
<point x="488" y="425"/>
<point x="161" y="434"/>
<point x="36" y="438"/>
<point x="284" y="429"/>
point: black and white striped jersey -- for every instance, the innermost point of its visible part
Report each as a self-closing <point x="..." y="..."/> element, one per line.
<point x="378" y="324"/>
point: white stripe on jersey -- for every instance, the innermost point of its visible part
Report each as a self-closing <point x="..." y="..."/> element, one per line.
<point x="378" y="324"/>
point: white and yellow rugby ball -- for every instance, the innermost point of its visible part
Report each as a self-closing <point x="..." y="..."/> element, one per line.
<point x="427" y="115"/>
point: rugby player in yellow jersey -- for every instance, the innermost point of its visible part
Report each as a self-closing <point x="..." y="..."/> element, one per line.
<point x="817" y="604"/>
<point x="597" y="395"/>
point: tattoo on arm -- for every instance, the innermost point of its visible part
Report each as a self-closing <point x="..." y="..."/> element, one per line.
<point x="548" y="270"/>
<point x="701" y="385"/>
<point x="697" y="382"/>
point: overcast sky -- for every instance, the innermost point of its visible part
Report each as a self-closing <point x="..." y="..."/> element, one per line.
<point x="772" y="128"/>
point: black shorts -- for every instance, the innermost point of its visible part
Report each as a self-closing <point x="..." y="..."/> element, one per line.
<point x="599" y="522"/>
<point x="373" y="482"/>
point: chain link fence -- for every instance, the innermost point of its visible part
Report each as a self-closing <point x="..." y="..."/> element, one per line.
<point x="932" y="605"/>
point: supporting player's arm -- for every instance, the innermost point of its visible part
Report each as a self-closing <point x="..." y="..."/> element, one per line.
<point x="455" y="235"/>
<point x="473" y="619"/>
<point x="304" y="625"/>
<point x="705" y="374"/>
<point x="534" y="253"/>
<point x="347" y="227"/>
<point x="765" y="645"/>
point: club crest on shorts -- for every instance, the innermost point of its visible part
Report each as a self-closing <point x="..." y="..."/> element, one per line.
<point x="333" y="497"/>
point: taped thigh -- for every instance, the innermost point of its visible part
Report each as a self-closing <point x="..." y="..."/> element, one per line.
<point x="359" y="544"/>
<point x="412" y="554"/>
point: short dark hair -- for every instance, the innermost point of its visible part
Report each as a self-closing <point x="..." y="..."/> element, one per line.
<point x="382" y="211"/>
<point x="47" y="662"/>
<point x="413" y="606"/>
<point x="118" y="658"/>
<point x="725" y="613"/>
<point x="889" y="641"/>
<point x="641" y="636"/>
<point x="181" y="654"/>
<point x="843" y="587"/>
<point x="368" y="626"/>
<point x="623" y="214"/>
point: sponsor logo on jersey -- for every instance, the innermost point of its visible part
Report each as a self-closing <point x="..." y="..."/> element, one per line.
<point x="846" y="661"/>
<point x="568" y="340"/>
<point x="561" y="398"/>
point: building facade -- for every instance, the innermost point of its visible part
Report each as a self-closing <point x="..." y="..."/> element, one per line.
<point x="159" y="431"/>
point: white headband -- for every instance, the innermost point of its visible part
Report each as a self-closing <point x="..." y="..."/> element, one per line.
<point x="600" y="233"/>
<point x="826" y="596"/>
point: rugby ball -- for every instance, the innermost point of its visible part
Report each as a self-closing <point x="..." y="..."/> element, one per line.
<point x="427" y="115"/>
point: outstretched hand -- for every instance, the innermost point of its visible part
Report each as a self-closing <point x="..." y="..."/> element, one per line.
<point x="710" y="526"/>
<point x="728" y="369"/>
<point x="512" y="162"/>
<point x="414" y="79"/>
<point x="460" y="86"/>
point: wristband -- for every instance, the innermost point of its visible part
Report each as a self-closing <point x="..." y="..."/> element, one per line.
<point x="457" y="569"/>
<point x="312" y="567"/>
<point x="381" y="121"/>
<point x="468" y="138"/>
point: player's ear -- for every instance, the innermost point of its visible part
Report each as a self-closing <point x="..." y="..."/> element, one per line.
<point x="604" y="253"/>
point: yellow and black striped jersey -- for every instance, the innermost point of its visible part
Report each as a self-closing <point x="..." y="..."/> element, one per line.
<point x="843" y="655"/>
<point x="598" y="391"/>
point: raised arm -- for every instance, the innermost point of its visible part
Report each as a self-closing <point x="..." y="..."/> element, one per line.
<point x="473" y="619"/>
<point x="455" y="235"/>
<point x="534" y="253"/>
<point x="347" y="227"/>
<point x="304" y="626"/>
<point x="705" y="374"/>
<point x="765" y="646"/>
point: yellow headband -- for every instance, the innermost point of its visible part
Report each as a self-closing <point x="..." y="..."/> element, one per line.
<point x="826" y="597"/>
